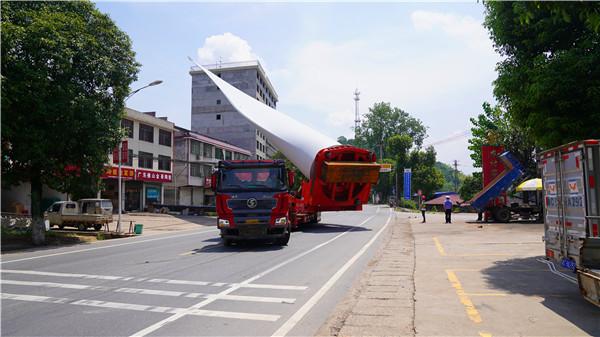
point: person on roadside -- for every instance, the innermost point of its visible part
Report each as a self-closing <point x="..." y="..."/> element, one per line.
<point x="448" y="209"/>
<point x="423" y="208"/>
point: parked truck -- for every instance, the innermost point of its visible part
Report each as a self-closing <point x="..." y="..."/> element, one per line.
<point x="570" y="176"/>
<point x="254" y="200"/>
<point x="81" y="214"/>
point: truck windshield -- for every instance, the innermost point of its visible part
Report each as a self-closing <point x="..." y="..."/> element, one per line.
<point x="255" y="178"/>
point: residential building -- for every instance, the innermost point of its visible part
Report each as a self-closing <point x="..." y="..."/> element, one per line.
<point x="149" y="165"/>
<point x="195" y="157"/>
<point x="214" y="116"/>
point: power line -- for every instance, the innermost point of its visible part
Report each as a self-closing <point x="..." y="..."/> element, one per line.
<point x="356" y="112"/>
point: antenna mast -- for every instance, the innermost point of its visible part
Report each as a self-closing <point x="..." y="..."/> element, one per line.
<point x="356" y="113"/>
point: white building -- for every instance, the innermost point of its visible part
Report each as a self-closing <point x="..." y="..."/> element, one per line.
<point x="149" y="165"/>
<point x="195" y="157"/>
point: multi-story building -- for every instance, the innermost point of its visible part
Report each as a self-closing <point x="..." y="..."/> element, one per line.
<point x="195" y="157"/>
<point x="149" y="165"/>
<point x="214" y="116"/>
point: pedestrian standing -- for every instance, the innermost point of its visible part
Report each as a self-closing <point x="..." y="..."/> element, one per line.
<point x="448" y="209"/>
<point x="423" y="208"/>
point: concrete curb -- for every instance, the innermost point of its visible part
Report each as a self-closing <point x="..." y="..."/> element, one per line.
<point x="382" y="301"/>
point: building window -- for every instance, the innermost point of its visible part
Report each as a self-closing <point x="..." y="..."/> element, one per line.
<point x="228" y="155"/>
<point x="196" y="170"/>
<point x="145" y="160"/>
<point x="219" y="153"/>
<point x="129" y="158"/>
<point x="164" y="138"/>
<point x="208" y="150"/>
<point x="128" y="126"/>
<point x="218" y="117"/>
<point x="207" y="170"/>
<point x="164" y="163"/>
<point x="218" y="102"/>
<point x="196" y="147"/>
<point x="146" y="133"/>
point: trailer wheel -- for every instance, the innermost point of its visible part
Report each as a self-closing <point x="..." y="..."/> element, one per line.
<point x="502" y="214"/>
<point x="227" y="242"/>
<point x="97" y="226"/>
<point x="82" y="227"/>
<point x="61" y="227"/>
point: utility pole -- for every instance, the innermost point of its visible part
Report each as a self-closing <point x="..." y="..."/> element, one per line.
<point x="455" y="175"/>
<point x="356" y="113"/>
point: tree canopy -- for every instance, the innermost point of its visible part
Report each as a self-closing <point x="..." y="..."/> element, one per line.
<point x="66" y="70"/>
<point x="549" y="79"/>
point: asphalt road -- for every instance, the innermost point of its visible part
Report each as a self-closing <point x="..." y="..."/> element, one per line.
<point x="188" y="283"/>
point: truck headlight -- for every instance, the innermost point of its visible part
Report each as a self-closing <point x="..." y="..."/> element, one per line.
<point x="281" y="221"/>
<point x="223" y="223"/>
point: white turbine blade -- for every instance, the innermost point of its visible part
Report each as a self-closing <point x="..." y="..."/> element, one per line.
<point x="297" y="141"/>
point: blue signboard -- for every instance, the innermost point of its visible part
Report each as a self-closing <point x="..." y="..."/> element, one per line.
<point x="407" y="178"/>
<point x="152" y="193"/>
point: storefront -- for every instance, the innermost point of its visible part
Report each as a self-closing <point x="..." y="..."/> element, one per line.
<point x="140" y="187"/>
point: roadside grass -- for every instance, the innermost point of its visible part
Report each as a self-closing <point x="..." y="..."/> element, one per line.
<point x="20" y="238"/>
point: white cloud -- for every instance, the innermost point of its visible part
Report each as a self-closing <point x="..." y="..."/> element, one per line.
<point x="441" y="79"/>
<point x="465" y="28"/>
<point x="226" y="47"/>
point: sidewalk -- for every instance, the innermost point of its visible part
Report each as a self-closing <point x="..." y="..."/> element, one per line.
<point x="163" y="223"/>
<point x="382" y="303"/>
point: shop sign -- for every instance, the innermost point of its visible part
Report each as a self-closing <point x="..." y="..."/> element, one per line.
<point x="207" y="182"/>
<point x="145" y="175"/>
<point x="113" y="172"/>
<point x="124" y="153"/>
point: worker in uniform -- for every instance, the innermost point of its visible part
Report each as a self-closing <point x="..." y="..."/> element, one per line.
<point x="448" y="209"/>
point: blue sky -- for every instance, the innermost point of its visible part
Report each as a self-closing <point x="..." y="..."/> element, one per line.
<point x="434" y="60"/>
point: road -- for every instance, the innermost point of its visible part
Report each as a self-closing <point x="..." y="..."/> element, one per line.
<point x="189" y="283"/>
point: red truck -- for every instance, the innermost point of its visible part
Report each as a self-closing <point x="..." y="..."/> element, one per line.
<point x="254" y="200"/>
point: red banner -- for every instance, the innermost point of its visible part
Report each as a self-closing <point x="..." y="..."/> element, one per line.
<point x="124" y="153"/>
<point x="113" y="172"/>
<point x="491" y="165"/>
<point x="146" y="175"/>
<point x="207" y="182"/>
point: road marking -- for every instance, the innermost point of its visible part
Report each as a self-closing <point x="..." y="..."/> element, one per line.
<point x="154" y="280"/>
<point x="139" y="291"/>
<point x="482" y="254"/>
<point x="139" y="307"/>
<point x="439" y="246"/>
<point x="485" y="334"/>
<point x="109" y="246"/>
<point x="298" y="315"/>
<point x="486" y="294"/>
<point x="464" y="299"/>
<point x="233" y="288"/>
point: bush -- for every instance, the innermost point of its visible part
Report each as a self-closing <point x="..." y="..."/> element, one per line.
<point x="407" y="204"/>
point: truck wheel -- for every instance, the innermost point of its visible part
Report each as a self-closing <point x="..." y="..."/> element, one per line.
<point x="97" y="227"/>
<point x="502" y="214"/>
<point x="284" y="240"/>
<point x="61" y="227"/>
<point x="82" y="227"/>
<point x="227" y="242"/>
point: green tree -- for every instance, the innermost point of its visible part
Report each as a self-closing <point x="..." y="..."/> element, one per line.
<point x="66" y="70"/>
<point x="450" y="176"/>
<point x="471" y="186"/>
<point x="496" y="127"/>
<point x="382" y="122"/>
<point x="425" y="176"/>
<point x="298" y="176"/>
<point x="549" y="78"/>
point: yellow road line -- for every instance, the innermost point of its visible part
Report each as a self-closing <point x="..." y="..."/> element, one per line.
<point x="485" y="334"/>
<point x="487" y="294"/>
<point x="483" y="254"/>
<point x="187" y="253"/>
<point x="439" y="246"/>
<point x="464" y="299"/>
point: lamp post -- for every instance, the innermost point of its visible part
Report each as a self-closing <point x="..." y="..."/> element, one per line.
<point x="119" y="177"/>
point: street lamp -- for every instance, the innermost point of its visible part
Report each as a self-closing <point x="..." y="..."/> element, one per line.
<point x="151" y="84"/>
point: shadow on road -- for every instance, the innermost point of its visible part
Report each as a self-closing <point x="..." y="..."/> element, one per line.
<point x="329" y="228"/>
<point x="529" y="277"/>
<point x="242" y="246"/>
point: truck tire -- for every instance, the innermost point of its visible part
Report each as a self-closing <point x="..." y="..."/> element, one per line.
<point x="502" y="214"/>
<point x="97" y="226"/>
<point x="284" y="240"/>
<point x="82" y="227"/>
<point x="227" y="242"/>
<point x="61" y="227"/>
